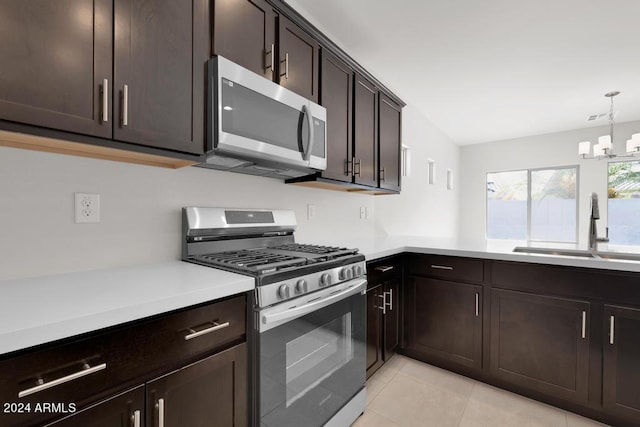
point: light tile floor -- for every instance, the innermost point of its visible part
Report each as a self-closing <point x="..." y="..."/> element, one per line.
<point x="407" y="393"/>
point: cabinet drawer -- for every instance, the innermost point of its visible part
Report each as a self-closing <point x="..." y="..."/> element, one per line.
<point x="77" y="372"/>
<point x="382" y="270"/>
<point x="446" y="267"/>
<point x="184" y="336"/>
<point x="84" y="370"/>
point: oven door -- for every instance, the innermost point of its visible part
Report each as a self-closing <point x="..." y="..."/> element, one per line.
<point x="311" y="356"/>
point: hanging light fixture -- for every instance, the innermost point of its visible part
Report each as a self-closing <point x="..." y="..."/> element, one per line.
<point x="604" y="148"/>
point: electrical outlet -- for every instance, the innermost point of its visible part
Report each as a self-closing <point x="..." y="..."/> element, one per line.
<point x="363" y="212"/>
<point x="87" y="208"/>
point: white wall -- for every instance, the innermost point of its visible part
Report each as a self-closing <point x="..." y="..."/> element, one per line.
<point x="557" y="149"/>
<point x="140" y="206"/>
<point x="140" y="211"/>
<point x="422" y="209"/>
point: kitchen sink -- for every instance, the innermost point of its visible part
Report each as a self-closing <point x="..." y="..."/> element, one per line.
<point x="623" y="256"/>
<point x="554" y="251"/>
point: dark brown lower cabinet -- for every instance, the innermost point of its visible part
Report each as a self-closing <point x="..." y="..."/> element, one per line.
<point x="210" y="392"/>
<point x="123" y="410"/>
<point x="541" y="343"/>
<point x="621" y="362"/>
<point x="444" y="321"/>
<point x="374" y="326"/>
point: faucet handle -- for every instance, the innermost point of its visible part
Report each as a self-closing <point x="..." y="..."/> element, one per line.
<point x="606" y="238"/>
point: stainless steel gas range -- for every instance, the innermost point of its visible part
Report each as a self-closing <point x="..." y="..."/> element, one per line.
<point x="308" y="335"/>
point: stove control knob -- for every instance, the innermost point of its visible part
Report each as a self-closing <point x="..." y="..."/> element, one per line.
<point x="283" y="291"/>
<point x="346" y="274"/>
<point x="301" y="286"/>
<point x="357" y="271"/>
<point x="325" y="279"/>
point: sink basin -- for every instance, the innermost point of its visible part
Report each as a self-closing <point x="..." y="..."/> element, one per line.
<point x="623" y="256"/>
<point x="618" y="256"/>
<point x="553" y="251"/>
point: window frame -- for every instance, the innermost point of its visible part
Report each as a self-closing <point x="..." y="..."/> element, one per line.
<point x="529" y="202"/>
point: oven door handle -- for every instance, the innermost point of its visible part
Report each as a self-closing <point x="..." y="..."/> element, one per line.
<point x="268" y="319"/>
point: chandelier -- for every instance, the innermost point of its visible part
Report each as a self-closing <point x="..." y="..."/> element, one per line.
<point x="604" y="148"/>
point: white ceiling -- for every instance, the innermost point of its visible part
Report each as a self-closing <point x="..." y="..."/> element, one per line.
<point x="494" y="69"/>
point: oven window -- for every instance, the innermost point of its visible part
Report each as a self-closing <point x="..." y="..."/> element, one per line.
<point x="316" y="355"/>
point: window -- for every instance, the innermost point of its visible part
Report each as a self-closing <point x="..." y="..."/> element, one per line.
<point x="538" y="205"/>
<point x="624" y="203"/>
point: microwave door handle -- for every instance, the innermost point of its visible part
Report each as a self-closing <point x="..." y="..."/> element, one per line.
<point x="307" y="113"/>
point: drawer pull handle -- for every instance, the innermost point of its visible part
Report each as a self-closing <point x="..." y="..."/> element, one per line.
<point x="384" y="268"/>
<point x="88" y="370"/>
<point x="160" y="407"/>
<point x="612" y="329"/>
<point x="216" y="326"/>
<point x="441" y="267"/>
<point x="136" y="418"/>
<point x="584" y="324"/>
<point x="477" y="304"/>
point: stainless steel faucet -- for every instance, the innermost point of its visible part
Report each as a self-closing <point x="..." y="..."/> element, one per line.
<point x="593" y="231"/>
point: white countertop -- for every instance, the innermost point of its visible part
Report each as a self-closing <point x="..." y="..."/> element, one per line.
<point x="497" y="250"/>
<point x="42" y="309"/>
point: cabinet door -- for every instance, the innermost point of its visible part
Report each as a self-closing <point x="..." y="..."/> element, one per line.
<point x="55" y="57"/>
<point x="365" y="132"/>
<point x="336" y="95"/>
<point x="391" y="318"/>
<point x="444" y="321"/>
<point x="390" y="143"/>
<point x="374" y="329"/>
<point x="244" y="32"/>
<point x="123" y="410"/>
<point x="541" y="343"/>
<point x="211" y="392"/>
<point x="161" y="49"/>
<point x="299" y="60"/>
<point x="621" y="376"/>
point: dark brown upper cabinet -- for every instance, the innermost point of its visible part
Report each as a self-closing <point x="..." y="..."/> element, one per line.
<point x="390" y="143"/>
<point x="244" y="31"/>
<point x="252" y="34"/>
<point x="161" y="50"/>
<point x="59" y="56"/>
<point x="56" y="64"/>
<point x="299" y="59"/>
<point x="365" y="136"/>
<point x="336" y="95"/>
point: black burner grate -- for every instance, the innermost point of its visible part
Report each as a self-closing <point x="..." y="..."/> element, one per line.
<point x="255" y="261"/>
<point x="310" y="249"/>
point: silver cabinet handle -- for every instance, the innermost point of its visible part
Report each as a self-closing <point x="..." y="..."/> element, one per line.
<point x="272" y="53"/>
<point x="584" y="324"/>
<point x="612" y="328"/>
<point x="286" y="66"/>
<point x="87" y="370"/>
<point x="384" y="268"/>
<point x="125" y="105"/>
<point x="216" y="326"/>
<point x="357" y="163"/>
<point x="348" y="167"/>
<point x="477" y="304"/>
<point x="160" y="407"/>
<point x="441" y="267"/>
<point x="383" y="307"/>
<point x="390" y="303"/>
<point x="135" y="418"/>
<point x="383" y="174"/>
<point x="105" y="100"/>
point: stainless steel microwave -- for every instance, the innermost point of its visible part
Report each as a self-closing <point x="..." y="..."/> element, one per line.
<point x="258" y="127"/>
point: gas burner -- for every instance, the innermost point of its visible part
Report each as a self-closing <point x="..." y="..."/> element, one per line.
<point x="252" y="260"/>
<point x="311" y="249"/>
